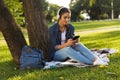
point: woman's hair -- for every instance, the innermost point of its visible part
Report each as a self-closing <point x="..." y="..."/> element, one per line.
<point x="61" y="11"/>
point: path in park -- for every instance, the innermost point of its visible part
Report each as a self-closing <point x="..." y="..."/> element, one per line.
<point x="98" y="30"/>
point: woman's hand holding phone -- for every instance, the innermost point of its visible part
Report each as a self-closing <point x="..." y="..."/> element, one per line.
<point x="75" y="37"/>
<point x="70" y="42"/>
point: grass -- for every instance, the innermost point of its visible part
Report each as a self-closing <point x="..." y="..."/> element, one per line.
<point x="109" y="39"/>
<point x="96" y="25"/>
<point x="91" y="25"/>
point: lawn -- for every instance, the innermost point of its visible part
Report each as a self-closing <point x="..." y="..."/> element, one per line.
<point x="109" y="39"/>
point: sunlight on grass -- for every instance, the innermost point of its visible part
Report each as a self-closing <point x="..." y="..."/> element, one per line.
<point x="30" y="76"/>
<point x="16" y="78"/>
<point x="95" y="25"/>
<point x="98" y="30"/>
<point x="106" y="39"/>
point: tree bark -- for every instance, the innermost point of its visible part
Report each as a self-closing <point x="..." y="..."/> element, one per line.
<point x="11" y="32"/>
<point x="36" y="25"/>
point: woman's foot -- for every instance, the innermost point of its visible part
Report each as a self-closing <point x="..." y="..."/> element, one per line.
<point x="99" y="62"/>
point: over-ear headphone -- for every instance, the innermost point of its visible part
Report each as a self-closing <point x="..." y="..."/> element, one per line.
<point x="58" y="13"/>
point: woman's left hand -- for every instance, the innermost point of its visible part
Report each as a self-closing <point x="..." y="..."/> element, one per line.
<point x="76" y="41"/>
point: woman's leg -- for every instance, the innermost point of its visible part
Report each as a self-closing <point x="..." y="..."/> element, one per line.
<point x="66" y="52"/>
<point x="84" y="51"/>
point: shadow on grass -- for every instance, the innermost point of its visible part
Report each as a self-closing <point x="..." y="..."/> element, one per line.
<point x="9" y="72"/>
<point x="8" y="69"/>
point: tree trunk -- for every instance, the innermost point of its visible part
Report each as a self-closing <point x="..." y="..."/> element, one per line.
<point x="11" y="32"/>
<point x="36" y="25"/>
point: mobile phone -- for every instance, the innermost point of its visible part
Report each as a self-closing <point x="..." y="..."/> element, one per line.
<point x="75" y="37"/>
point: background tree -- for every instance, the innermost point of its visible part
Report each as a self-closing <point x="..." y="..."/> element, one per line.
<point x="52" y="12"/>
<point x="11" y="32"/>
<point x="16" y="9"/>
<point x="116" y="6"/>
<point x="97" y="9"/>
<point x="76" y="6"/>
<point x="80" y="6"/>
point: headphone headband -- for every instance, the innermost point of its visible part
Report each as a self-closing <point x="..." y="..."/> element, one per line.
<point x="58" y="13"/>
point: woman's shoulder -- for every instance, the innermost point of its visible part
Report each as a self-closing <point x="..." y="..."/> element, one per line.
<point x="53" y="27"/>
<point x="70" y="25"/>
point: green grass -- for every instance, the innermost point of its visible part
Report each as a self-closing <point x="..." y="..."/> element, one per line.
<point x="91" y="25"/>
<point x="95" y="25"/>
<point x="109" y="39"/>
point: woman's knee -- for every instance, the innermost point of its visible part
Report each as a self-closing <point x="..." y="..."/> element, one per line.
<point x="79" y="44"/>
<point x="66" y="49"/>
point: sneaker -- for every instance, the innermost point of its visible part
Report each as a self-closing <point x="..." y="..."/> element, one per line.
<point x="103" y="55"/>
<point x="104" y="58"/>
<point x="99" y="62"/>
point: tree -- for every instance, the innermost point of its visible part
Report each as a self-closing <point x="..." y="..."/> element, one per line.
<point x="52" y="12"/>
<point x="36" y="25"/>
<point x="77" y="6"/>
<point x="16" y="9"/>
<point x="91" y="2"/>
<point x="116" y="6"/>
<point x="11" y="32"/>
<point x="97" y="9"/>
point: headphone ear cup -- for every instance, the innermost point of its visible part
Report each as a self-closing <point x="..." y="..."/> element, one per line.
<point x="58" y="16"/>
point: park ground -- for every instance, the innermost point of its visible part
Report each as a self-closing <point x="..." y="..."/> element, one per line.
<point x="94" y="34"/>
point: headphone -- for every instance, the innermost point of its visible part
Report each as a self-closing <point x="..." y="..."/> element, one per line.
<point x="58" y="13"/>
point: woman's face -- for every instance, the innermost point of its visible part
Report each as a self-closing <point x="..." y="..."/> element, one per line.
<point x="64" y="20"/>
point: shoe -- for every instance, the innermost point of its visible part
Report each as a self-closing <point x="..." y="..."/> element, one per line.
<point x="104" y="58"/>
<point x="103" y="55"/>
<point x="99" y="62"/>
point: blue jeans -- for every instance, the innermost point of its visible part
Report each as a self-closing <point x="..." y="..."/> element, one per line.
<point x="77" y="52"/>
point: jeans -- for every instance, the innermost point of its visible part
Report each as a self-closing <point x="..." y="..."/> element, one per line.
<point x="77" y="52"/>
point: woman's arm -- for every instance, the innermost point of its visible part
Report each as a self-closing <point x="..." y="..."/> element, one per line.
<point x="69" y="42"/>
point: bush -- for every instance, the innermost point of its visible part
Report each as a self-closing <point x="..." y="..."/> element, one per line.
<point x="104" y="16"/>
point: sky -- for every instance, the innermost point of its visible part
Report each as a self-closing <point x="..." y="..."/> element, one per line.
<point x="64" y="3"/>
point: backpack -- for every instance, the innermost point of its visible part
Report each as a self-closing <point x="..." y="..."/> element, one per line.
<point x="31" y="58"/>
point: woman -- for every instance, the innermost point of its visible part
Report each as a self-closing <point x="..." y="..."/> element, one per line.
<point x="62" y="44"/>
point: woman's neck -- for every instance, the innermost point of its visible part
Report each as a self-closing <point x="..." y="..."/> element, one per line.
<point x="62" y="27"/>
